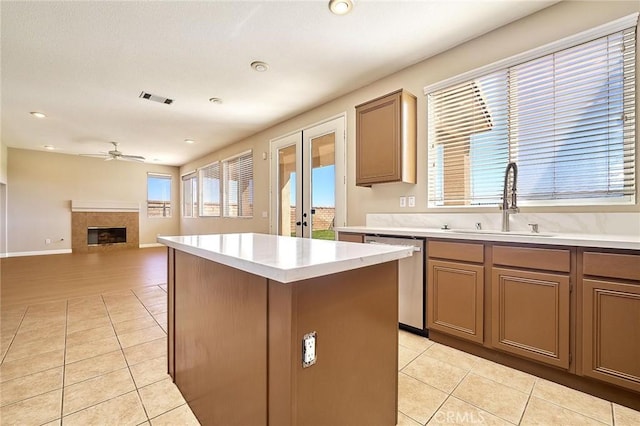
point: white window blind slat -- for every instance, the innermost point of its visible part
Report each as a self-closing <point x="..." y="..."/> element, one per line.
<point x="238" y="186"/>
<point x="210" y="183"/>
<point x="190" y="195"/>
<point x="567" y="119"/>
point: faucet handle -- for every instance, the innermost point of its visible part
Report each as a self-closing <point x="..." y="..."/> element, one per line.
<point x="534" y="228"/>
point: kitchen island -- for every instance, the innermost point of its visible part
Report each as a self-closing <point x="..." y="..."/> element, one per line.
<point x="241" y="308"/>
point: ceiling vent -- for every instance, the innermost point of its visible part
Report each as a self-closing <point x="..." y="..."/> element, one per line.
<point x="156" y="98"/>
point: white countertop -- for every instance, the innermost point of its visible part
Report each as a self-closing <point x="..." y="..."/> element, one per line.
<point x="284" y="259"/>
<point x="580" y="240"/>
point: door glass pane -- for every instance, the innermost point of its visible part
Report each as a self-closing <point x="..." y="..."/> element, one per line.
<point x="287" y="191"/>
<point x="323" y="184"/>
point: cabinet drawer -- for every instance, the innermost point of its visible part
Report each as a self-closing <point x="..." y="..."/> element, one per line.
<point x="466" y="252"/>
<point x="349" y="237"/>
<point x="558" y="260"/>
<point x="624" y="266"/>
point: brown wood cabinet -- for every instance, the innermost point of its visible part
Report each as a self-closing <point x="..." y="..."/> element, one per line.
<point x="611" y="318"/>
<point x="455" y="289"/>
<point x="386" y="139"/>
<point x="350" y="237"/>
<point x="530" y="308"/>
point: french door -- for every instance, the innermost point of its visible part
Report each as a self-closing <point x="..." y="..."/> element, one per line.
<point x="308" y="183"/>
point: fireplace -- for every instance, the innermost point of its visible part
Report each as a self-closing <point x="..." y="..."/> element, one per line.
<point x="104" y="235"/>
<point x="99" y="226"/>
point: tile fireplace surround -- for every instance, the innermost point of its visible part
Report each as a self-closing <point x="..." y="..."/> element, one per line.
<point x="86" y="214"/>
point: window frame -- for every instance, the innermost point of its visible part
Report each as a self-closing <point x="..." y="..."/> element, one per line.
<point x="165" y="176"/>
<point x="225" y="186"/>
<point x="622" y="24"/>
<point x="201" y="188"/>
<point x="193" y="177"/>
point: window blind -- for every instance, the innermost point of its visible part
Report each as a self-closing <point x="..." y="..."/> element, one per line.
<point x="238" y="186"/>
<point x="567" y="119"/>
<point x="210" y="190"/>
<point x="190" y="195"/>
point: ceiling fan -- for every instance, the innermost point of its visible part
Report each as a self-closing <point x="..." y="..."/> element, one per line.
<point x="116" y="154"/>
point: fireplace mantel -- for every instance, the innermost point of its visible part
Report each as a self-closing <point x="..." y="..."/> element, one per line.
<point x="104" y="206"/>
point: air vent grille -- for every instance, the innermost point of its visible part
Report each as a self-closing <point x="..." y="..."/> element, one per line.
<point x="155" y="98"/>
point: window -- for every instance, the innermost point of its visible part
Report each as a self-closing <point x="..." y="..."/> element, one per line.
<point x="190" y="195"/>
<point x="567" y="119"/>
<point x="210" y="190"/>
<point x="158" y="195"/>
<point x="238" y="185"/>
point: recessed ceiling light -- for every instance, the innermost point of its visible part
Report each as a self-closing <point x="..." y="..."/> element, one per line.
<point x="259" y="66"/>
<point x="38" y="114"/>
<point x="189" y="141"/>
<point x="215" y="100"/>
<point x="49" y="147"/>
<point x="340" y="7"/>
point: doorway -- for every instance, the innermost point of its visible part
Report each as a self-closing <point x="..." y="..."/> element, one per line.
<point x="308" y="181"/>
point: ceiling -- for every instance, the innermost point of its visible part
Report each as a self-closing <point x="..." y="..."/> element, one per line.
<point x="84" y="64"/>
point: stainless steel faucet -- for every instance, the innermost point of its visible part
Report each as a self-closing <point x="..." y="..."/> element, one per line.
<point x="506" y="208"/>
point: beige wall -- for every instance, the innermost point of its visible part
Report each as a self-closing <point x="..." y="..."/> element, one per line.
<point x="551" y="24"/>
<point x="3" y="163"/>
<point x="41" y="186"/>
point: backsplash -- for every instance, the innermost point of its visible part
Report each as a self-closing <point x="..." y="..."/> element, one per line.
<point x="627" y="224"/>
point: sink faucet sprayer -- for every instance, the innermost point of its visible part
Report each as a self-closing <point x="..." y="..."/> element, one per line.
<point x="506" y="208"/>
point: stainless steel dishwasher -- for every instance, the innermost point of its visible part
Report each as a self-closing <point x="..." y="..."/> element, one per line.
<point x="411" y="282"/>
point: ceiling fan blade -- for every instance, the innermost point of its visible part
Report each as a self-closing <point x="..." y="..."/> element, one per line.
<point x="95" y="155"/>
<point x="138" y="158"/>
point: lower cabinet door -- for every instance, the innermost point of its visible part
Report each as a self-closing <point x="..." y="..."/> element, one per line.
<point x="530" y="315"/>
<point x="455" y="297"/>
<point x="611" y="332"/>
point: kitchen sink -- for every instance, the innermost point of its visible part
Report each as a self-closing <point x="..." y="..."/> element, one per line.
<point x="492" y="232"/>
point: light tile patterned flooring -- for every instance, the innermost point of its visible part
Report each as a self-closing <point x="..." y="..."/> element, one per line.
<point x="101" y="360"/>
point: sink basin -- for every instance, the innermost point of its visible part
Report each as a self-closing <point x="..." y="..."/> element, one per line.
<point x="492" y="232"/>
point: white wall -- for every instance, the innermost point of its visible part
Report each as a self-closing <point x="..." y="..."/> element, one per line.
<point x="551" y="24"/>
<point x="41" y="186"/>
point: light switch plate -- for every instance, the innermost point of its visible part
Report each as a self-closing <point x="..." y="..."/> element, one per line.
<point x="309" y="349"/>
<point x="412" y="201"/>
<point x="403" y="201"/>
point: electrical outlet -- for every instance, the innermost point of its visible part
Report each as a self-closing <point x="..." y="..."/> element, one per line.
<point x="47" y="241"/>
<point x="309" y="349"/>
<point x="403" y="201"/>
<point x="412" y="201"/>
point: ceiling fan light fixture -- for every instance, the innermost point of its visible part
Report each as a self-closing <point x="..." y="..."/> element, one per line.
<point x="259" y="66"/>
<point x="38" y="114"/>
<point x="340" y="7"/>
<point x="189" y="141"/>
<point x="49" y="147"/>
<point x="216" y="101"/>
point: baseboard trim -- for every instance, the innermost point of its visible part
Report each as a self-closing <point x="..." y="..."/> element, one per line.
<point x="151" y="245"/>
<point x="35" y="253"/>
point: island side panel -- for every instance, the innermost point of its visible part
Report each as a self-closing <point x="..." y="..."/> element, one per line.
<point x="170" y="311"/>
<point x="355" y="378"/>
<point x="221" y="341"/>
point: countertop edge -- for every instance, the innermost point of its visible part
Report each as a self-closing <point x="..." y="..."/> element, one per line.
<point x="289" y="275"/>
<point x="578" y="240"/>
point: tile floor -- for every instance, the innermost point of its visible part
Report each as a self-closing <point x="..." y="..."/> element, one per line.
<point x="102" y="361"/>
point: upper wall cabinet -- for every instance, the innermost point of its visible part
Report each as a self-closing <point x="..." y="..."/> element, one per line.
<point x="386" y="139"/>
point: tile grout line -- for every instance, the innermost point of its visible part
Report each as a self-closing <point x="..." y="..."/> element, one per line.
<point x="146" y="414"/>
<point x="24" y="314"/>
<point x="64" y="358"/>
<point x="526" y="404"/>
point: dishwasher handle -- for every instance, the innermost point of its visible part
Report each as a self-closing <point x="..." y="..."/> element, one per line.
<point x="415" y="248"/>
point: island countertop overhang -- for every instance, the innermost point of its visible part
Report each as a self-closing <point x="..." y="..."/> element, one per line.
<point x="284" y="259"/>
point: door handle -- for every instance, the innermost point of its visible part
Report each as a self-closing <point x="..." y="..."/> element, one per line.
<point x="304" y="223"/>
<point x="299" y="223"/>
